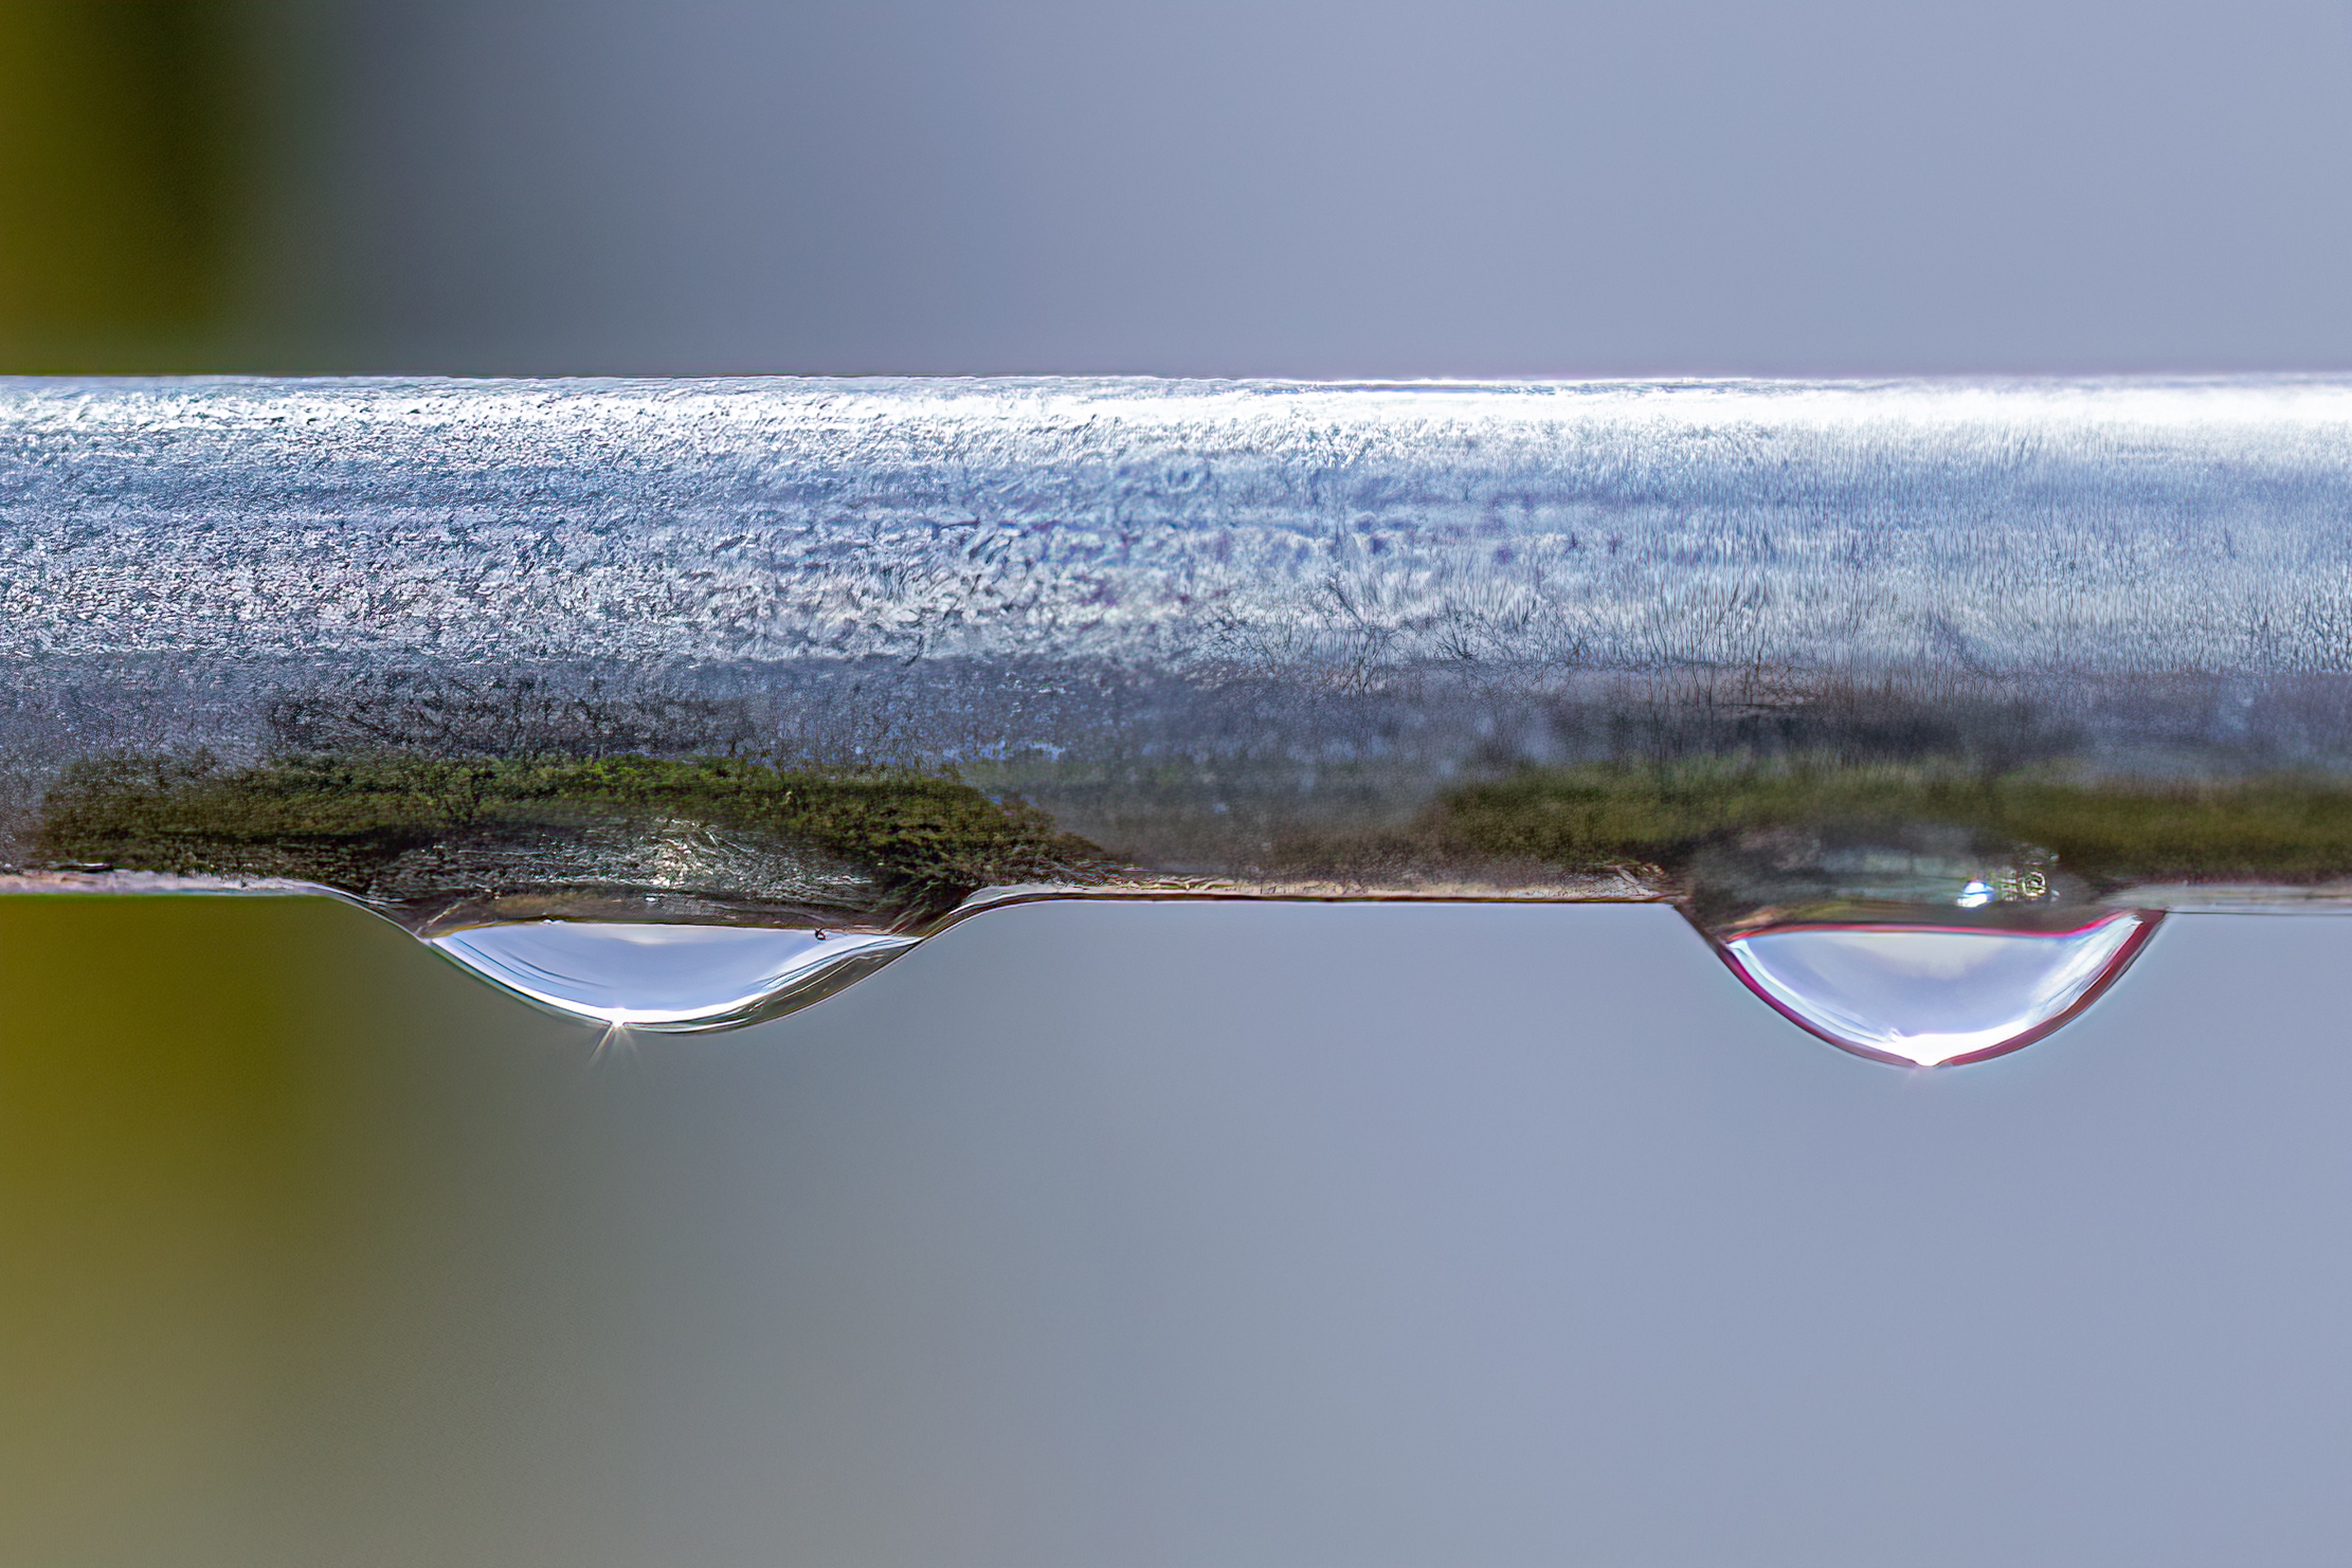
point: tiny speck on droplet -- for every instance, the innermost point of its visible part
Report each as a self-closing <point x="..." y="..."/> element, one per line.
<point x="665" y="976"/>
<point x="1925" y="995"/>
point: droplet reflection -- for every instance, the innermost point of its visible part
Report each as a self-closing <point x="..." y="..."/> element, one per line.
<point x="1931" y="996"/>
<point x="667" y="977"/>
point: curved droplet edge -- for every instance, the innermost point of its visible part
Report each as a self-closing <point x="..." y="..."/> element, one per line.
<point x="826" y="979"/>
<point x="2145" y="921"/>
<point x="830" y="978"/>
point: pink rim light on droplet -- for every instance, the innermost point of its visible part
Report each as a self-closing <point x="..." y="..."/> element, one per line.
<point x="1934" y="995"/>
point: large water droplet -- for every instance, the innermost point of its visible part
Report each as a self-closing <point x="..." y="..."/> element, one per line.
<point x="1929" y="995"/>
<point x="667" y="976"/>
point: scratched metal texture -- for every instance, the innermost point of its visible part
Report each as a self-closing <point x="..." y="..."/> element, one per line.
<point x="1336" y="598"/>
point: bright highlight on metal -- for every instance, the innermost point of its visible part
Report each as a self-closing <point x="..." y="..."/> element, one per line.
<point x="786" y="655"/>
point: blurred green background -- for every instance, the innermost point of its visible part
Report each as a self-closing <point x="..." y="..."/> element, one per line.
<point x="127" y="145"/>
<point x="270" y="1174"/>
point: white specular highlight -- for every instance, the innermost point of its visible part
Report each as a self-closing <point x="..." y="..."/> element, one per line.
<point x="664" y="977"/>
<point x="1934" y="996"/>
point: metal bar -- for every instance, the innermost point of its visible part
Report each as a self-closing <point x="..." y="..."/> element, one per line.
<point x="846" y="653"/>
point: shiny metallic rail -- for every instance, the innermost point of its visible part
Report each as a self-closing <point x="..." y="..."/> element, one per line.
<point x="849" y="654"/>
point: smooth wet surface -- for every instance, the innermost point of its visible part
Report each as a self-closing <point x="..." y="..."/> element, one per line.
<point x="660" y="976"/>
<point x="1161" y="1235"/>
<point x="1928" y="996"/>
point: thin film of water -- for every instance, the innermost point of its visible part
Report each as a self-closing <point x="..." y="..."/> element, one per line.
<point x="678" y="705"/>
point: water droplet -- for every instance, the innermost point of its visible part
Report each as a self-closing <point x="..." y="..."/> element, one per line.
<point x="667" y="976"/>
<point x="1928" y="996"/>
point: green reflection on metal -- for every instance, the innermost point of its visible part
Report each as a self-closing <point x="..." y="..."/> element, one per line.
<point x="920" y="841"/>
<point x="2107" y="830"/>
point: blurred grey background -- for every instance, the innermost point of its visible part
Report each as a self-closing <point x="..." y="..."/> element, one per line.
<point x="1248" y="1236"/>
<point x="1192" y="187"/>
<point x="1281" y="1235"/>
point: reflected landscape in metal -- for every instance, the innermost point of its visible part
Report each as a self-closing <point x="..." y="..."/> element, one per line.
<point x="849" y="655"/>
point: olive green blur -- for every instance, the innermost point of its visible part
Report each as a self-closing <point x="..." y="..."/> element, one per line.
<point x="269" y="1172"/>
<point x="340" y="820"/>
<point x="2109" y="831"/>
<point x="159" y="1187"/>
<point x="119" y="149"/>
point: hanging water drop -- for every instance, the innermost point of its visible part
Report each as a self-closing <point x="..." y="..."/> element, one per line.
<point x="1931" y="996"/>
<point x="669" y="977"/>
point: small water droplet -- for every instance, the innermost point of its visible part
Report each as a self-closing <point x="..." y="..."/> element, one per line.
<point x="667" y="977"/>
<point x="1929" y="995"/>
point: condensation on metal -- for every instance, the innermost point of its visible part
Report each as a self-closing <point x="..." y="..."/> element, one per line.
<point x="1956" y="654"/>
